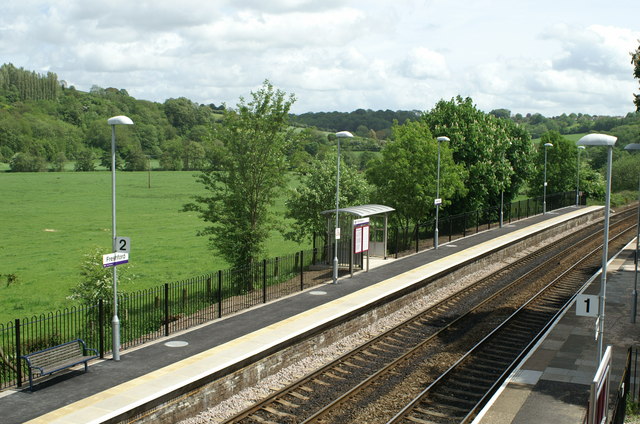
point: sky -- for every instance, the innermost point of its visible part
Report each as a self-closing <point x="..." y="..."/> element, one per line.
<point x="542" y="56"/>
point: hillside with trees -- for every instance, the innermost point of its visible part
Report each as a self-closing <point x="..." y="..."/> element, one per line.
<point x="46" y="125"/>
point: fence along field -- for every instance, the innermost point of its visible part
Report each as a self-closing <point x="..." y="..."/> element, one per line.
<point x="51" y="220"/>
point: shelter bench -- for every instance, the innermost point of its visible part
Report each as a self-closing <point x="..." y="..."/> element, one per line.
<point x="59" y="357"/>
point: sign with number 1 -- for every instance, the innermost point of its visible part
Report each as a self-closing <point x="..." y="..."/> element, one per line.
<point x="587" y="305"/>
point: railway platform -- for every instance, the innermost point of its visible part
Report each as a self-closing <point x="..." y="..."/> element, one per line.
<point x="552" y="383"/>
<point x="177" y="366"/>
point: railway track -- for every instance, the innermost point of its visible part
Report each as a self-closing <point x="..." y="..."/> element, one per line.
<point x="376" y="380"/>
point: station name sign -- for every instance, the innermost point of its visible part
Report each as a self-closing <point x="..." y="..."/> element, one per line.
<point x="113" y="259"/>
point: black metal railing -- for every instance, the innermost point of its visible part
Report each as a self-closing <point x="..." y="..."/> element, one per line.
<point x="149" y="314"/>
<point x="404" y="241"/>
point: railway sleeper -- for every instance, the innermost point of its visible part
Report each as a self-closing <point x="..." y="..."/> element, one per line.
<point x="481" y="375"/>
<point x="276" y="412"/>
<point x="287" y="403"/>
<point x="261" y="420"/>
<point x="468" y="395"/>
<point x="451" y="410"/>
<point x="453" y="400"/>
<point x="417" y="420"/>
<point x="499" y="362"/>
<point x="498" y="356"/>
<point x="299" y="396"/>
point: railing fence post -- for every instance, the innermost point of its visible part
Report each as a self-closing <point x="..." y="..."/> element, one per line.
<point x="18" y="354"/>
<point x="264" y="281"/>
<point x="166" y="309"/>
<point x="313" y="258"/>
<point x="220" y="293"/>
<point x="302" y="270"/>
<point x="101" y="327"/>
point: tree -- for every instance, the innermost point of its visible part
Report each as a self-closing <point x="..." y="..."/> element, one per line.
<point x="562" y="163"/>
<point x="495" y="152"/>
<point x="405" y="176"/>
<point x="85" y="161"/>
<point x="255" y="138"/>
<point x="317" y="193"/>
<point x="635" y="61"/>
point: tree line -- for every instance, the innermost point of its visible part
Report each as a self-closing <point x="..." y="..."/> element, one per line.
<point x="47" y="126"/>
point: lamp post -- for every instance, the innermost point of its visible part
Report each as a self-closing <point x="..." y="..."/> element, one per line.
<point x="438" y="200"/>
<point x="502" y="193"/>
<point x="580" y="148"/>
<point x="339" y="135"/>
<point x="544" y="190"/>
<point x="634" y="295"/>
<point x="608" y="141"/>
<point x="115" y="322"/>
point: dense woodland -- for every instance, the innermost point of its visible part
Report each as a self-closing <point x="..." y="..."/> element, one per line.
<point x="47" y="125"/>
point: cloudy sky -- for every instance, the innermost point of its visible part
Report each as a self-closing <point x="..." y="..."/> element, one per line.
<point x="544" y="56"/>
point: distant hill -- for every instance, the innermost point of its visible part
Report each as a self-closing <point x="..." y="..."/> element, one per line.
<point x="45" y="124"/>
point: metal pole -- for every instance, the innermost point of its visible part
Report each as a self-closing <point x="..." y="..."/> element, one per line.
<point x="336" y="229"/>
<point x="544" y="190"/>
<point x="501" y="207"/>
<point x="115" y="323"/>
<point x="634" y="304"/>
<point x="605" y="255"/>
<point x="435" y="238"/>
<point x="578" y="177"/>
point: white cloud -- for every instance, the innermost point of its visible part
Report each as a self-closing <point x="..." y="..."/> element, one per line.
<point x="336" y="54"/>
<point x="423" y="63"/>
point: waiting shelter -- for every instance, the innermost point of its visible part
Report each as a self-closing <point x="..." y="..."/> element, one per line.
<point x="363" y="229"/>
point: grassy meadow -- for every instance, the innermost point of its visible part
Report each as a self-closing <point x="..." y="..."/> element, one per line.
<point x="51" y="220"/>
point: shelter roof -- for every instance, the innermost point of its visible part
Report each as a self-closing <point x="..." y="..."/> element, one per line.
<point x="362" y="210"/>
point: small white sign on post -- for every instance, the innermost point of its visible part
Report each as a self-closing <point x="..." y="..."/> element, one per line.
<point x="587" y="305"/>
<point x="123" y="244"/>
<point x="437" y="201"/>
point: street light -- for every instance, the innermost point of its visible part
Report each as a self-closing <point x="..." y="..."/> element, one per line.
<point x="115" y="323"/>
<point x="339" y="135"/>
<point x="544" y="190"/>
<point x="438" y="200"/>
<point x="634" y="297"/>
<point x="608" y="141"/>
<point x="580" y="148"/>
<point x="502" y="193"/>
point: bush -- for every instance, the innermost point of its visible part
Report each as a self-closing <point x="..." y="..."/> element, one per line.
<point x="24" y="162"/>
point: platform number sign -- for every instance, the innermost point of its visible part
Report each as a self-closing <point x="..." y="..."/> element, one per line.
<point x="123" y="244"/>
<point x="587" y="305"/>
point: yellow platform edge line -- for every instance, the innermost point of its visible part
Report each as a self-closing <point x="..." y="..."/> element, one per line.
<point x="126" y="396"/>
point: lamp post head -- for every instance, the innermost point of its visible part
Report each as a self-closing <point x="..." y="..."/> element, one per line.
<point x="443" y="138"/>
<point x="632" y="146"/>
<point x="344" y="134"/>
<point x="120" y="120"/>
<point x="597" y="140"/>
<point x="581" y="148"/>
<point x="548" y="145"/>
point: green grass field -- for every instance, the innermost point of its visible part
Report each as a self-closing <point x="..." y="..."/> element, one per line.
<point x="51" y="220"/>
